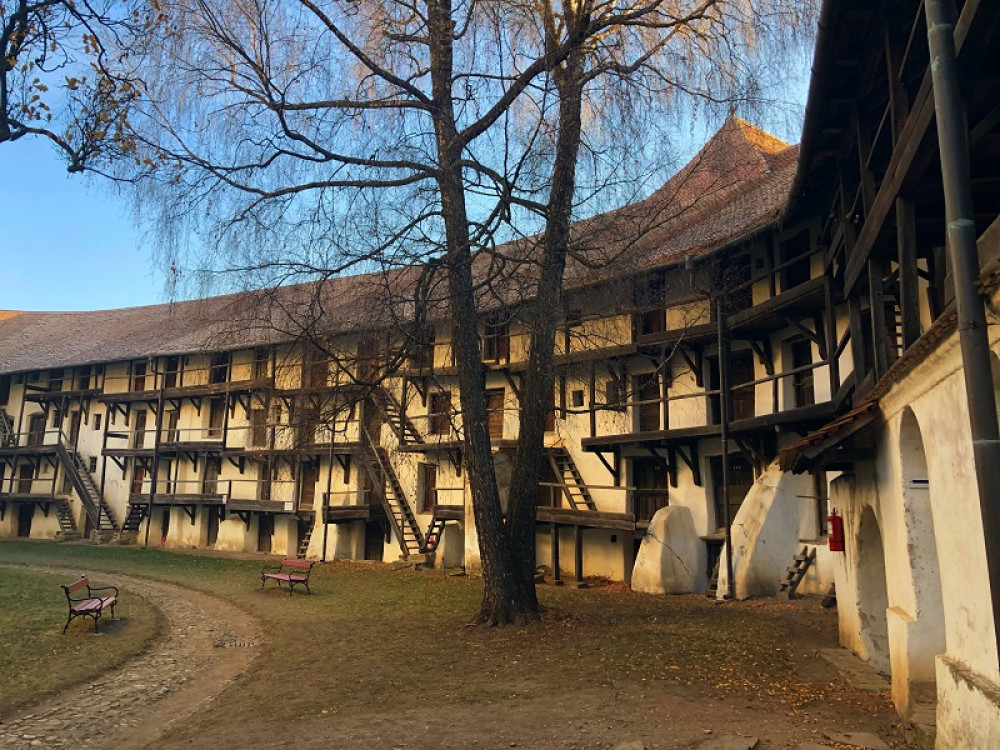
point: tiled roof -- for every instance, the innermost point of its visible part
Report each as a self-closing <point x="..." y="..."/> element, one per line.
<point x="736" y="185"/>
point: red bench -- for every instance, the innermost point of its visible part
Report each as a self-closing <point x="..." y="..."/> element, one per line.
<point x="293" y="572"/>
<point x="91" y="605"/>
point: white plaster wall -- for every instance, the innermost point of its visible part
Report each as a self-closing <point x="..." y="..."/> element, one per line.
<point x="765" y="533"/>
<point x="601" y="556"/>
<point x="671" y="557"/>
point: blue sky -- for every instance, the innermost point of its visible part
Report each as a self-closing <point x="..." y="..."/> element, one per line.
<point x="66" y="243"/>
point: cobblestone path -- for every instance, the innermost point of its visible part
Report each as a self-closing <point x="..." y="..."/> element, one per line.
<point x="204" y="645"/>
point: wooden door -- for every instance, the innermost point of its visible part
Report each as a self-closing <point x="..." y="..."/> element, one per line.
<point x="36" y="429"/>
<point x="138" y="477"/>
<point x="173" y="417"/>
<point x="494" y="413"/>
<point x="74" y="427"/>
<point x="265" y="530"/>
<point x="428" y="474"/>
<point x="647" y="389"/>
<point x="25" y="514"/>
<point x="802" y="382"/>
<point x="210" y="479"/>
<point x="741" y="479"/>
<point x="170" y="371"/>
<point x="649" y="476"/>
<point x="375" y="533"/>
<point x="742" y="371"/>
<point x="310" y="475"/>
<point x="258" y="428"/>
<point x="139" y="439"/>
<point x="25" y="476"/>
<point x="216" y="418"/>
<point x="213" y="526"/>
<point x="139" y="376"/>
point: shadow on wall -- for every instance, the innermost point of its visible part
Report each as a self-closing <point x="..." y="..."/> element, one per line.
<point x="873" y="595"/>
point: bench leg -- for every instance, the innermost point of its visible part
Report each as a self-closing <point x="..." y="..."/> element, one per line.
<point x="68" y="621"/>
<point x="96" y="618"/>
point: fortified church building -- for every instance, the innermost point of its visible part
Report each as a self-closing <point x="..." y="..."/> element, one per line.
<point x="795" y="341"/>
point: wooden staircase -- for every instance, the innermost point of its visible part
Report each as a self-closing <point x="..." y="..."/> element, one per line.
<point x="76" y="469"/>
<point x="433" y="537"/>
<point x="134" y="518"/>
<point x="397" y="509"/>
<point x="7" y="435"/>
<point x="395" y="415"/>
<point x="797" y="571"/>
<point x="574" y="488"/>
<point x="67" y="524"/>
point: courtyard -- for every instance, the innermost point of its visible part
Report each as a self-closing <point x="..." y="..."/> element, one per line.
<point x="379" y="657"/>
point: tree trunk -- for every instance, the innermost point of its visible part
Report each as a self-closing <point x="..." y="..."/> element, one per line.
<point x="503" y="598"/>
<point x="539" y="378"/>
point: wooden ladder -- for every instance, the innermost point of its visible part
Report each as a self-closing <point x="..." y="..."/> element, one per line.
<point x="712" y="591"/>
<point x="303" y="549"/>
<point x="797" y="571"/>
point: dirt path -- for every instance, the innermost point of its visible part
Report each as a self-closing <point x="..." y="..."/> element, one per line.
<point x="204" y="646"/>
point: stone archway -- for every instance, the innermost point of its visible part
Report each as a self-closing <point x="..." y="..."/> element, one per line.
<point x="873" y="593"/>
<point x="925" y="635"/>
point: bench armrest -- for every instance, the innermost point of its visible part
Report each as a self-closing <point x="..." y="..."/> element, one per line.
<point x="271" y="569"/>
<point x="103" y="588"/>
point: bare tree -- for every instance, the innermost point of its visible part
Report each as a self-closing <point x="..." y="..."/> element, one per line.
<point x="65" y="76"/>
<point x="312" y="139"/>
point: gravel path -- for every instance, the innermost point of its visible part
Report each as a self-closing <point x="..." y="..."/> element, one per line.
<point x="205" y="645"/>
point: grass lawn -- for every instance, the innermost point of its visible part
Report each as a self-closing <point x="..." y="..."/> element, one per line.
<point x="35" y="658"/>
<point x="371" y="641"/>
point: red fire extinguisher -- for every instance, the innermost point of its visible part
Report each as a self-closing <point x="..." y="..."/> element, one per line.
<point x="836" y="541"/>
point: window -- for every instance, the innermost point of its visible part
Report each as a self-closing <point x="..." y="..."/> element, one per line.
<point x="576" y="399"/>
<point x="428" y="487"/>
<point x="614" y="399"/>
<point x="97" y="421"/>
<point x="57" y="418"/>
<point x="219" y="370"/>
<point x="496" y="338"/>
<point x="92" y="464"/>
<point x="55" y="380"/>
<point x="439" y="414"/>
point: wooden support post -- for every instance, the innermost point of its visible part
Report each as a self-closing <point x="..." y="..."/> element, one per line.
<point x="909" y="287"/>
<point x="629" y="556"/>
<point x="593" y="400"/>
<point x="556" y="579"/>
<point x="831" y="338"/>
<point x="861" y="367"/>
<point x="578" y="581"/>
